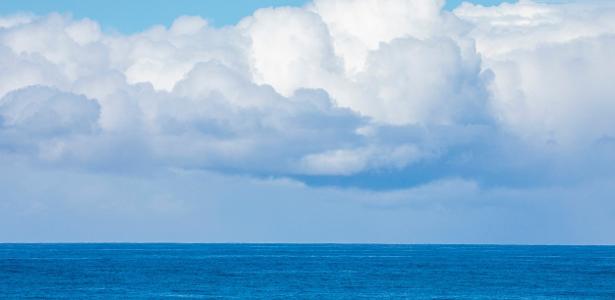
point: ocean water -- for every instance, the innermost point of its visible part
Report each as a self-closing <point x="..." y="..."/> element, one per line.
<point x="150" y="271"/>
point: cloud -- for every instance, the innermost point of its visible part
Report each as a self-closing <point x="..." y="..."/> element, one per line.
<point x="42" y="111"/>
<point x="45" y="122"/>
<point x="399" y="96"/>
<point x="358" y="27"/>
<point x="551" y="67"/>
<point x="350" y="161"/>
<point x="409" y="81"/>
<point x="241" y="97"/>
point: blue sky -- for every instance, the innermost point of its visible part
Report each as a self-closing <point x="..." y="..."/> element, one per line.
<point x="354" y="121"/>
<point x="122" y="16"/>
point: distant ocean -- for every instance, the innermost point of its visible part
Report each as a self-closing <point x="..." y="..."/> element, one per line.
<point x="268" y="271"/>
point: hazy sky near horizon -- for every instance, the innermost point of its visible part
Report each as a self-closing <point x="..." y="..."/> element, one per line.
<point x="371" y="121"/>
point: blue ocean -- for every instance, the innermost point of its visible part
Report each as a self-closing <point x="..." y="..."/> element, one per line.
<point x="272" y="271"/>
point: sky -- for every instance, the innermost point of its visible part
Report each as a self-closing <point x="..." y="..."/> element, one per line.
<point x="338" y="121"/>
<point x="120" y="16"/>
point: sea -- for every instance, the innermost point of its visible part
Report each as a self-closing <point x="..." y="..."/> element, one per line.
<point x="303" y="271"/>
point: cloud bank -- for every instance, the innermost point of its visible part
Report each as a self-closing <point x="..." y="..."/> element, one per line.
<point x="391" y="110"/>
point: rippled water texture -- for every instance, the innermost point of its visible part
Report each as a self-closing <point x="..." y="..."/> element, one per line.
<point x="306" y="271"/>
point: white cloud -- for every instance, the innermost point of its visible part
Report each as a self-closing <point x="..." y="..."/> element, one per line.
<point x="552" y="68"/>
<point x="409" y="81"/>
<point x="338" y="87"/>
<point x="44" y="111"/>
<point x="351" y="161"/>
<point x="358" y="27"/>
<point x="290" y="49"/>
<point x="15" y="20"/>
<point x="84" y="32"/>
<point x="46" y="124"/>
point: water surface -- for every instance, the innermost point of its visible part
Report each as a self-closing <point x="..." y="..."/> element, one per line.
<point x="146" y="271"/>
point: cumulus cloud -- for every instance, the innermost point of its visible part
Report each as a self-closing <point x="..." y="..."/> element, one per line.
<point x="358" y="27"/>
<point x="304" y="91"/>
<point x="198" y="97"/>
<point x="45" y="111"/>
<point x="360" y="93"/>
<point x="350" y="161"/>
<point x="46" y="122"/>
<point x="309" y="90"/>
<point x="551" y="67"/>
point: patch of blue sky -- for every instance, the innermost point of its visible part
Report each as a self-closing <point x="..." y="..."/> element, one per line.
<point x="137" y="15"/>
